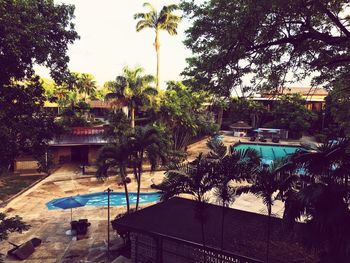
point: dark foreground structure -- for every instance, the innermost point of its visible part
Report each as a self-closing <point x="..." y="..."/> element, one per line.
<point x="172" y="231"/>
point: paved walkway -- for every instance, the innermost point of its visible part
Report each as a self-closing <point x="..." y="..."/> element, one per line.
<point x="51" y="225"/>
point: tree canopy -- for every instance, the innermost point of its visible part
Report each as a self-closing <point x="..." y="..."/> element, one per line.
<point x="266" y="40"/>
<point x="133" y="87"/>
<point x="182" y="112"/>
<point x="31" y="32"/>
<point x="34" y="32"/>
<point x="24" y="127"/>
<point x="290" y="113"/>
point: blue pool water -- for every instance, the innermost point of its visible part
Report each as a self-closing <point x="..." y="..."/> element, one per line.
<point x="269" y="153"/>
<point x="116" y="199"/>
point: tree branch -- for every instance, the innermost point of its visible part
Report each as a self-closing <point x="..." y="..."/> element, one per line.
<point x="297" y="39"/>
<point x="333" y="18"/>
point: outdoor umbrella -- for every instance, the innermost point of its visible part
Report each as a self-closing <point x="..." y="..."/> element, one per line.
<point x="69" y="203"/>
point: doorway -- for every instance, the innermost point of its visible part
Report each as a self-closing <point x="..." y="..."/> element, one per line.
<point x="80" y="154"/>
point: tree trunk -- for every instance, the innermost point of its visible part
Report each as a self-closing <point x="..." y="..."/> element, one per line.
<point x="203" y="240"/>
<point x="222" y="228"/>
<point x="346" y="188"/>
<point x="138" y="189"/>
<point x="200" y="213"/>
<point x="268" y="233"/>
<point x="123" y="174"/>
<point x="220" y="114"/>
<point x="157" y="47"/>
<point x="132" y="115"/>
<point x="139" y="172"/>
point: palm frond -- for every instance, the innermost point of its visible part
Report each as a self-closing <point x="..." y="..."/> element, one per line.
<point x="217" y="149"/>
<point x="150" y="91"/>
<point x="149" y="6"/>
<point x="243" y="190"/>
<point x="169" y="8"/>
<point x="144" y="24"/>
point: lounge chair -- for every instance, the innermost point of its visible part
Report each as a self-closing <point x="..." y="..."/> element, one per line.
<point x="80" y="227"/>
<point x="275" y="140"/>
<point x="25" y="250"/>
<point x="262" y="139"/>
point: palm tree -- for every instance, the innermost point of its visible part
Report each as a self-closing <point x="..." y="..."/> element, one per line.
<point x="164" y="20"/>
<point x="327" y="217"/>
<point x="145" y="142"/>
<point x="85" y="84"/>
<point x="225" y="194"/>
<point x="266" y="181"/>
<point x="115" y="156"/>
<point x="329" y="163"/>
<point x="134" y="88"/>
<point x="229" y="168"/>
<point x="195" y="179"/>
<point x="323" y="200"/>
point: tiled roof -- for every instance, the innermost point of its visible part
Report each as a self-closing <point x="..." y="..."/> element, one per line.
<point x="70" y="140"/>
<point x="87" y="130"/>
<point x="304" y="91"/>
<point x="81" y="136"/>
<point x="240" y="125"/>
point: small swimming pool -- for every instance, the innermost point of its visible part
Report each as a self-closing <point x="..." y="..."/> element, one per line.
<point x="116" y="199"/>
<point x="269" y="153"/>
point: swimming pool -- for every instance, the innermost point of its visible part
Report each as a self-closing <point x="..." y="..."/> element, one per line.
<point x="269" y="153"/>
<point x="116" y="199"/>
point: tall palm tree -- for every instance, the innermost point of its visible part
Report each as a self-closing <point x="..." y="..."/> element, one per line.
<point x="134" y="88"/>
<point x="164" y="20"/>
<point x="115" y="156"/>
<point x="267" y="181"/>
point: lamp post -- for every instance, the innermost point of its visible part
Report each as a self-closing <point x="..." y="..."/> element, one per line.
<point x="108" y="206"/>
<point x="323" y="117"/>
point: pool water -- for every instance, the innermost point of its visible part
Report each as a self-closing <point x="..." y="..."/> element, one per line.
<point x="269" y="153"/>
<point x="116" y="199"/>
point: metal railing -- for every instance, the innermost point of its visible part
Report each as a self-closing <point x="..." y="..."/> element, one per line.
<point x="146" y="248"/>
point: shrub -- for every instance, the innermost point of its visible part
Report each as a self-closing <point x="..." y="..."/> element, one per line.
<point x="320" y="137"/>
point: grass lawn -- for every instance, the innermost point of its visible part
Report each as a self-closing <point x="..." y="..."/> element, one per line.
<point x="13" y="184"/>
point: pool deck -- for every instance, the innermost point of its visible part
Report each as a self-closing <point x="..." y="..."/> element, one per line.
<point x="51" y="225"/>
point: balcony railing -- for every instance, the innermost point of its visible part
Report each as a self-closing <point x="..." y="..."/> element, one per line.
<point x="146" y="248"/>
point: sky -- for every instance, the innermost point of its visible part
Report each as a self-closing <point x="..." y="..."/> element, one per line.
<point x="109" y="41"/>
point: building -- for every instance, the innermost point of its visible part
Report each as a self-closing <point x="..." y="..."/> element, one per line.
<point x="79" y="146"/>
<point x="315" y="97"/>
<point x="172" y="232"/>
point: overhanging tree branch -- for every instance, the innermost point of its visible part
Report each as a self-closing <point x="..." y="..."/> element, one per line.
<point x="333" y="18"/>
